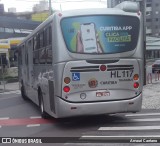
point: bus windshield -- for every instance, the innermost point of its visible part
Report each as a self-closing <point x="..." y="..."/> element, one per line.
<point x="107" y="34"/>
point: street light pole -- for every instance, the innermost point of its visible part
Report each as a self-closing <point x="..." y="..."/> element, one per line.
<point x="142" y="8"/>
<point x="50" y="8"/>
<point x="142" y="4"/>
<point x="2" y="74"/>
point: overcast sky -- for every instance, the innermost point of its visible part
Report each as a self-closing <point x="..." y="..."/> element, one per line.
<point x="26" y="5"/>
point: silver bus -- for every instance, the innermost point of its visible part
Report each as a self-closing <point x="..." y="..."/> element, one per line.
<point x="85" y="62"/>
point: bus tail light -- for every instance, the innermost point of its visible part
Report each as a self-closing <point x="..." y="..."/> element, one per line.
<point x="66" y="89"/>
<point x="136" y="85"/>
<point x="103" y="67"/>
<point x="67" y="80"/>
<point x="136" y="77"/>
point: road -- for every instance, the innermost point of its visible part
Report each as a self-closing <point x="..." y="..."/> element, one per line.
<point x="19" y="118"/>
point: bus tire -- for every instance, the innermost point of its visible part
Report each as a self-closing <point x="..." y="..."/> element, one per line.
<point x="44" y="115"/>
<point x="23" y="93"/>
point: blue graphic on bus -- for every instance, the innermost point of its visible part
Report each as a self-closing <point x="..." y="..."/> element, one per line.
<point x="75" y="76"/>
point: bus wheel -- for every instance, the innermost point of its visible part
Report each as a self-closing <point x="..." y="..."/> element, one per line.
<point x="23" y="93"/>
<point x="41" y="105"/>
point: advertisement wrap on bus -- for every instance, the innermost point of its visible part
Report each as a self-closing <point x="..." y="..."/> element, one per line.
<point x="102" y="34"/>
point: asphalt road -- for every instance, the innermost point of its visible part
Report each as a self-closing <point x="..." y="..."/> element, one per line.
<point x="19" y="118"/>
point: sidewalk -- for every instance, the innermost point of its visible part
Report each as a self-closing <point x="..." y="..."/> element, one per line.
<point x="151" y="96"/>
<point x="9" y="87"/>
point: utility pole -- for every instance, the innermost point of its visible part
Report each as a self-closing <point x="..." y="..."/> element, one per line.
<point x="3" y="82"/>
<point x="50" y="7"/>
<point x="142" y="4"/>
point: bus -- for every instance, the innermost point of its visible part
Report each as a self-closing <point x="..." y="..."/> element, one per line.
<point x="85" y="62"/>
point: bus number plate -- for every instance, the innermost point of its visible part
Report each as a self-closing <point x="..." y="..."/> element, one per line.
<point x="121" y="73"/>
<point x="99" y="94"/>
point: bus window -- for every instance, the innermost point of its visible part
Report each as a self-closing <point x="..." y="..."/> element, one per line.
<point x="48" y="34"/>
<point x="41" y="39"/>
<point x="35" y="43"/>
<point x="20" y="55"/>
<point x="100" y="34"/>
<point x="38" y="41"/>
<point x="42" y="50"/>
<point x="35" y="51"/>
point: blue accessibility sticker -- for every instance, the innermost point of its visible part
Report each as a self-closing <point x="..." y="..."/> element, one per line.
<point x="75" y="76"/>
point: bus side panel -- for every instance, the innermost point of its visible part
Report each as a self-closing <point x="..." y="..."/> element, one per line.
<point x="55" y="90"/>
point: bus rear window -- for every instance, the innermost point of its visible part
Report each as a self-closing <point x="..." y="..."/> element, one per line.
<point x="100" y="34"/>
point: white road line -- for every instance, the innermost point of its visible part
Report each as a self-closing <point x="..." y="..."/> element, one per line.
<point x="144" y="114"/>
<point x="35" y="117"/>
<point x="131" y="128"/>
<point x="33" y="125"/>
<point x="121" y="136"/>
<point x="0" y="126"/>
<point x="140" y="120"/>
<point x="4" y="118"/>
<point x="10" y="92"/>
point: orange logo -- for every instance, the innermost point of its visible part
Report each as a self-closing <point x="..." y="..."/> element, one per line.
<point x="92" y="83"/>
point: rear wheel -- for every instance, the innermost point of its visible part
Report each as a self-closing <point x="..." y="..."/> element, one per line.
<point x="23" y="93"/>
<point x="41" y="105"/>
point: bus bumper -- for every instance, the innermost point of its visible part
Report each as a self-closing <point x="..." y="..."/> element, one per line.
<point x="66" y="109"/>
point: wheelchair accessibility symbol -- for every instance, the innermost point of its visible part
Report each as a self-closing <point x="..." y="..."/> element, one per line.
<point x="75" y="76"/>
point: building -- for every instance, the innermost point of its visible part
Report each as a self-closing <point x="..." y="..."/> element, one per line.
<point x="1" y="8"/>
<point x="152" y="15"/>
<point x="113" y="3"/>
<point x="42" y="6"/>
<point x="12" y="30"/>
<point x="11" y="27"/>
<point x="12" y="10"/>
<point x="14" y="27"/>
<point x="152" y="48"/>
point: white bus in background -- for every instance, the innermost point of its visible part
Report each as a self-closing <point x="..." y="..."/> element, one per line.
<point x="85" y="62"/>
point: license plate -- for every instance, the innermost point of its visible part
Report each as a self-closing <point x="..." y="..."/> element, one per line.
<point x="100" y="94"/>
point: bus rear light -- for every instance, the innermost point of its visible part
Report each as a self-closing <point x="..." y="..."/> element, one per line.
<point x="67" y="80"/>
<point x="136" y="77"/>
<point x="136" y="85"/>
<point x="103" y="68"/>
<point x="66" y="89"/>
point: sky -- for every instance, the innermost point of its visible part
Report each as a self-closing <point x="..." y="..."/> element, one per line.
<point x="26" y="5"/>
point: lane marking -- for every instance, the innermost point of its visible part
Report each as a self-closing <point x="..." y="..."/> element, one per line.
<point x="139" y="120"/>
<point x="4" y="118"/>
<point x="33" y="125"/>
<point x="144" y="114"/>
<point x="35" y="117"/>
<point x="16" y="122"/>
<point x="131" y="128"/>
<point x="11" y="92"/>
<point x="3" y="98"/>
<point x="121" y="136"/>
